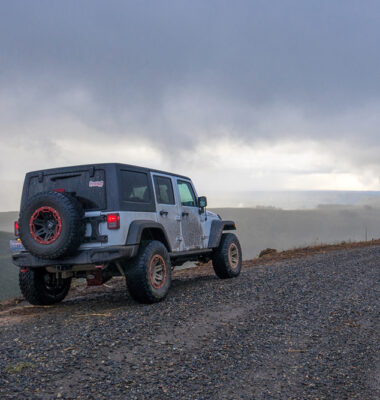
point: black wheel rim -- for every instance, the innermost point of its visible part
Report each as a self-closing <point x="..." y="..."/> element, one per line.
<point x="45" y="225"/>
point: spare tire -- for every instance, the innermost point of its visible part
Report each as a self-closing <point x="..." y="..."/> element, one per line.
<point x="52" y="225"/>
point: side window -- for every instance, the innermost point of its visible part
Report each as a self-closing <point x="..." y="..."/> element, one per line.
<point x="164" y="190"/>
<point x="134" y="187"/>
<point x="186" y="194"/>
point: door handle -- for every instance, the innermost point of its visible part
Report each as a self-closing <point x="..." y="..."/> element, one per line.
<point x="185" y="214"/>
<point x="163" y="212"/>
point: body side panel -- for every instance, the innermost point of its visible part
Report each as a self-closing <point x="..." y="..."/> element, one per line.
<point x="169" y="214"/>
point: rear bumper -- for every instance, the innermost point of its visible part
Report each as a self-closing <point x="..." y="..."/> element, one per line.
<point x="91" y="256"/>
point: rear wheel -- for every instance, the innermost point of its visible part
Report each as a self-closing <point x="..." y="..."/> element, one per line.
<point x="40" y="287"/>
<point x="227" y="258"/>
<point x="150" y="275"/>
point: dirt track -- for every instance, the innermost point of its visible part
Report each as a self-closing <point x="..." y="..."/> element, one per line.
<point x="294" y="328"/>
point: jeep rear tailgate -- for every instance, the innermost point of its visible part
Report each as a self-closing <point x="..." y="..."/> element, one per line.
<point x="87" y="184"/>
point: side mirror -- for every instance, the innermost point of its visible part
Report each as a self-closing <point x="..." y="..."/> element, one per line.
<point x="202" y="202"/>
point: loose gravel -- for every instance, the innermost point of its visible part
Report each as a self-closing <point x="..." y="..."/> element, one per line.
<point x="297" y="329"/>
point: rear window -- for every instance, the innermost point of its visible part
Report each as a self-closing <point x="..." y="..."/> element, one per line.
<point x="135" y="187"/>
<point x="90" y="190"/>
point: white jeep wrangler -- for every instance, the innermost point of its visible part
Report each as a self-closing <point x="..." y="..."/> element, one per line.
<point x="105" y="220"/>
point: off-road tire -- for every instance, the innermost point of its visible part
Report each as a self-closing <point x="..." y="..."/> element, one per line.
<point x="227" y="258"/>
<point x="140" y="281"/>
<point x="36" y="291"/>
<point x="69" y="211"/>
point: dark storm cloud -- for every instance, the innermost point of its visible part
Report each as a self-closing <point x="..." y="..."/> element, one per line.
<point x="172" y="71"/>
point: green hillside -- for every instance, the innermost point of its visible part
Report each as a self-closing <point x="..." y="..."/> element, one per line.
<point x="8" y="272"/>
<point x="7" y="220"/>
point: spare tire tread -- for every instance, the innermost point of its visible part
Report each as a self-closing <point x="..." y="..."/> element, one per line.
<point x="73" y="212"/>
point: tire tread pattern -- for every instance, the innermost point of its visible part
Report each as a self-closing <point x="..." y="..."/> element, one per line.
<point x="220" y="259"/>
<point x="75" y="214"/>
<point x="137" y="275"/>
<point x="32" y="288"/>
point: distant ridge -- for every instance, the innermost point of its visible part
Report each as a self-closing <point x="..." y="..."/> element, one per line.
<point x="292" y="200"/>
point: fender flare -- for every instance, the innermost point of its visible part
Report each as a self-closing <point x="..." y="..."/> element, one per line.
<point x="217" y="228"/>
<point x="137" y="227"/>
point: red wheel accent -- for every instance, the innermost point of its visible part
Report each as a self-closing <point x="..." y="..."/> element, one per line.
<point x="45" y="225"/>
<point x="157" y="271"/>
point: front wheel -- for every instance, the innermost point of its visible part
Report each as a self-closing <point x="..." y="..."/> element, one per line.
<point x="40" y="287"/>
<point x="227" y="258"/>
<point x="150" y="275"/>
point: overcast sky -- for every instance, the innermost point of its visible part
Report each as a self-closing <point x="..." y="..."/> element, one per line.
<point x="239" y="95"/>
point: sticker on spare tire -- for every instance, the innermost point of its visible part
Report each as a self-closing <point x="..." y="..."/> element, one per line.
<point x="99" y="184"/>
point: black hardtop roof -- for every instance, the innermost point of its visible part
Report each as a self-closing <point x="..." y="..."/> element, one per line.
<point x="73" y="168"/>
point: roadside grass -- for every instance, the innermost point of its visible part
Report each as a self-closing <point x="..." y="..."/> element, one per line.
<point x="19" y="367"/>
<point x="298" y="252"/>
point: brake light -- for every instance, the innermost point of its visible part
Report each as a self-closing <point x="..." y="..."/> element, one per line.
<point x="59" y="190"/>
<point x="17" y="229"/>
<point x="113" y="221"/>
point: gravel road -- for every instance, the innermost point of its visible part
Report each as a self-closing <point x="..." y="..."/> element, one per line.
<point x="296" y="329"/>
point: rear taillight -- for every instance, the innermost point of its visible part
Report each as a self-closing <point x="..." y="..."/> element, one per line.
<point x="59" y="190"/>
<point x="17" y="229"/>
<point x="113" y="221"/>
